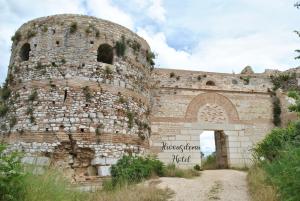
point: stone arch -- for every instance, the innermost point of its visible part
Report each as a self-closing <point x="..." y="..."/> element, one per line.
<point x="24" y="52"/>
<point x="105" y="53"/>
<point x="211" y="98"/>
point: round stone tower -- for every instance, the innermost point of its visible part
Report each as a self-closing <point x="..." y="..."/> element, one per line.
<point x="79" y="93"/>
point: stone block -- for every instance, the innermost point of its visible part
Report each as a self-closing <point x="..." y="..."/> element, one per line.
<point x="111" y="161"/>
<point x="104" y="171"/>
<point x="98" y="161"/>
<point x="42" y="161"/>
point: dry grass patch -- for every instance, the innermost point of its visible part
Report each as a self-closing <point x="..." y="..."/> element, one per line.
<point x="133" y="193"/>
<point x="172" y="171"/>
<point x="260" y="190"/>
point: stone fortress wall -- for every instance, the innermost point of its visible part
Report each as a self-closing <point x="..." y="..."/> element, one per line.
<point x="74" y="101"/>
<point x="80" y="103"/>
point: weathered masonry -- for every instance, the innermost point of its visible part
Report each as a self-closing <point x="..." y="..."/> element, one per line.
<point x="83" y="93"/>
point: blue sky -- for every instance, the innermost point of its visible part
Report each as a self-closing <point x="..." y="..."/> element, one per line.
<point x="208" y="35"/>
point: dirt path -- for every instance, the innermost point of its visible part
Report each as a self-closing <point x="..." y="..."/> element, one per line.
<point x="212" y="185"/>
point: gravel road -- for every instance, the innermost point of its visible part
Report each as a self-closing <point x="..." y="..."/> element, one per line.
<point x="212" y="185"/>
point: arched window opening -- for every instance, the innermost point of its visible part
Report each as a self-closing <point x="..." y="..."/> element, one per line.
<point x="105" y="54"/>
<point x="24" y="53"/>
<point x="210" y="83"/>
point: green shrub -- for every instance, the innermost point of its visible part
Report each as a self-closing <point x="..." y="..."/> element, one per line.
<point x="3" y="110"/>
<point x="150" y="58"/>
<point x="197" y="167"/>
<point x="87" y="93"/>
<point x="276" y="111"/>
<point x="284" y="173"/>
<point x="121" y="47"/>
<point x="260" y="189"/>
<point x="33" y="96"/>
<point x="210" y="162"/>
<point x="73" y="27"/>
<point x="131" y="169"/>
<point x="11" y="176"/>
<point x="5" y="93"/>
<point x="277" y="140"/>
<point x="30" y="33"/>
<point x="17" y="37"/>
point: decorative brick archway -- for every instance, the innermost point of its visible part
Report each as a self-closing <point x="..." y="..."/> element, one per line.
<point x="201" y="100"/>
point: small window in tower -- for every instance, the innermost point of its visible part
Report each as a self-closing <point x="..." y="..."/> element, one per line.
<point x="210" y="83"/>
<point x="82" y="130"/>
<point x="66" y="95"/>
<point x="53" y="102"/>
<point x="24" y="53"/>
<point x="105" y="54"/>
<point x="57" y="42"/>
<point x="47" y="129"/>
<point x="91" y="42"/>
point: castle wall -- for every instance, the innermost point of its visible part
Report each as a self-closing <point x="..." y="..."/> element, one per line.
<point x="242" y="110"/>
<point x="68" y="105"/>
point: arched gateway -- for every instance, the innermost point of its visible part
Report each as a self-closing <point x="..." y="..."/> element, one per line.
<point x="239" y="119"/>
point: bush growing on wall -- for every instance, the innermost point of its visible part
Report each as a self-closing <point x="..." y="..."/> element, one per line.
<point x="11" y="176"/>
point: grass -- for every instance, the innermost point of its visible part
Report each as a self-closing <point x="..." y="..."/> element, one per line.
<point x="260" y="189"/>
<point x="172" y="171"/>
<point x="209" y="163"/>
<point x="51" y="186"/>
<point x="133" y="193"/>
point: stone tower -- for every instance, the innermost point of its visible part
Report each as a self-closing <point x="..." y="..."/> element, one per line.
<point x="79" y="93"/>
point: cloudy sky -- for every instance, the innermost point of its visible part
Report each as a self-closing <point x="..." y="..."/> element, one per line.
<point x="208" y="35"/>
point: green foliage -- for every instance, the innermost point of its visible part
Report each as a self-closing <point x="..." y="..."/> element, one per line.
<point x="11" y="176"/>
<point x="246" y="80"/>
<point x="131" y="169"/>
<point x="210" y="162"/>
<point x="33" y="96"/>
<point x="87" y="93"/>
<point x="136" y="46"/>
<point x="130" y="116"/>
<point x="108" y="72"/>
<point x="3" y="109"/>
<point x="197" y="167"/>
<point x="44" y="28"/>
<point x="5" y="93"/>
<point x="122" y="100"/>
<point x="73" y="27"/>
<point x="276" y="111"/>
<point x="284" y="173"/>
<point x="50" y="186"/>
<point x="17" y="37"/>
<point x="295" y="107"/>
<point x="277" y="140"/>
<point x="150" y="58"/>
<point x="282" y="80"/>
<point x="30" y="33"/>
<point x="121" y="47"/>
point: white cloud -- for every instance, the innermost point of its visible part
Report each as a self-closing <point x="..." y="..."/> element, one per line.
<point x="261" y="50"/>
<point x="104" y="9"/>
<point x="14" y="13"/>
<point x="156" y="11"/>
